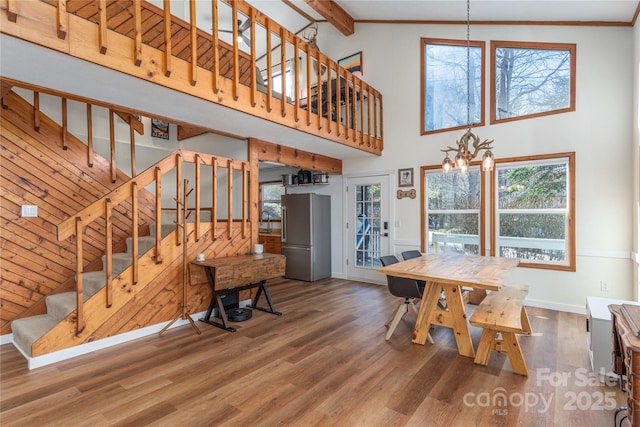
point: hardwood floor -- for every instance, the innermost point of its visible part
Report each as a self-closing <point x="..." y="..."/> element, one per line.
<point x="323" y="363"/>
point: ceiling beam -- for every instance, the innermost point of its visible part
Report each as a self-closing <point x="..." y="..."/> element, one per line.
<point x="334" y="14"/>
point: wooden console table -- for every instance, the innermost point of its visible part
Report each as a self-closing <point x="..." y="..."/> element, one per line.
<point x="236" y="273"/>
<point x="626" y="354"/>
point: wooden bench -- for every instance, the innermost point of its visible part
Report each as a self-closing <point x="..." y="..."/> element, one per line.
<point x="502" y="315"/>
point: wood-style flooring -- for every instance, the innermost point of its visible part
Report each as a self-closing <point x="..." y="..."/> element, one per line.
<point x="323" y="363"/>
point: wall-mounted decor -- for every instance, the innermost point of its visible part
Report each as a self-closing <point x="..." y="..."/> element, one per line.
<point x="409" y="193"/>
<point x="159" y="128"/>
<point x="405" y="177"/>
<point x="353" y="63"/>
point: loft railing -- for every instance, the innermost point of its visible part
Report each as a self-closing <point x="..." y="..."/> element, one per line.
<point x="277" y="76"/>
<point x="103" y="207"/>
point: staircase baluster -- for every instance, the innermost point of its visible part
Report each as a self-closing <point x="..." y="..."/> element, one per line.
<point x="197" y="188"/>
<point x="179" y="206"/>
<point x="89" y="137"/>
<point x="79" y="268"/>
<point x="102" y="26"/>
<point x="214" y="197"/>
<point x="167" y="38"/>
<point x="158" y="215"/>
<point x="137" y="55"/>
<point x="108" y="268"/>
<point x="230" y="198"/>
<point x="36" y="111"/>
<point x="134" y="237"/>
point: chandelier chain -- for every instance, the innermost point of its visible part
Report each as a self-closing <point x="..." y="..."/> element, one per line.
<point x="468" y="64"/>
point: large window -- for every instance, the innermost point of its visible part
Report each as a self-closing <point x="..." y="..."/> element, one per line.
<point x="533" y="211"/>
<point x="453" y="214"/>
<point x="270" y="205"/>
<point x="444" y="93"/>
<point x="531" y="79"/>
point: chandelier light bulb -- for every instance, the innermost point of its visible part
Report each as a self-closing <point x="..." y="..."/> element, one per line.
<point x="447" y="164"/>
<point x="487" y="161"/>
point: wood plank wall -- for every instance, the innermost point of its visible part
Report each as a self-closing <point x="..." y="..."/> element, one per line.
<point x="37" y="171"/>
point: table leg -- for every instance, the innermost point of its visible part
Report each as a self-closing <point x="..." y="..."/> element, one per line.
<point x="427" y="310"/>
<point x="455" y="305"/>
<point x="263" y="288"/>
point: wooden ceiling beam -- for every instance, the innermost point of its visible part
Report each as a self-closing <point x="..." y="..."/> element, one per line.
<point x="334" y="14"/>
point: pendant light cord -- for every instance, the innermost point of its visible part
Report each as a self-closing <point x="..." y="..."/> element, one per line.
<point x="468" y="67"/>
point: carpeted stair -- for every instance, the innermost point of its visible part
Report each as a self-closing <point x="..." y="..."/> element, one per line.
<point x="28" y="330"/>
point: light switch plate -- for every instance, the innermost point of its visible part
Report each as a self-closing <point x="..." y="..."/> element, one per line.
<point x="29" y="211"/>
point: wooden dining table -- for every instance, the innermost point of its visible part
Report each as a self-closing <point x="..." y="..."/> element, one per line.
<point x="450" y="272"/>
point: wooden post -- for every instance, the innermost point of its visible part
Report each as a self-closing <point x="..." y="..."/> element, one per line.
<point x="306" y="49"/>
<point x="132" y="142"/>
<point x="296" y="79"/>
<point x="167" y="37"/>
<point x="102" y="26"/>
<point x="269" y="85"/>
<point x="254" y="72"/>
<point x="36" y="111"/>
<point x="214" y="197"/>
<point x="134" y="234"/>
<point x="64" y="124"/>
<point x="137" y="44"/>
<point x="179" y="205"/>
<point x="194" y="42"/>
<point x="158" y="215"/>
<point x="236" y="61"/>
<point x="79" y="270"/>
<point x="89" y="137"/>
<point x="108" y="268"/>
<point x="12" y="10"/>
<point x="283" y="72"/>
<point x="197" y="189"/>
<point x="244" y="199"/>
<point x="230" y="198"/>
<point x="112" y="141"/>
<point x="214" y="44"/>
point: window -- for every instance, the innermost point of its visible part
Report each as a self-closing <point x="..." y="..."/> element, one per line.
<point x="453" y="213"/>
<point x="444" y="85"/>
<point x="531" y="79"/>
<point x="270" y="205"/>
<point x="533" y="207"/>
<point x="532" y="210"/>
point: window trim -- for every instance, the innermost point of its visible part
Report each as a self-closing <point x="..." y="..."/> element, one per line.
<point x="450" y="42"/>
<point x="571" y="47"/>
<point x="260" y="200"/>
<point x="570" y="264"/>
<point x="424" y="212"/>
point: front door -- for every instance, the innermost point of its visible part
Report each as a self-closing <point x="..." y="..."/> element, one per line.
<point x="367" y="226"/>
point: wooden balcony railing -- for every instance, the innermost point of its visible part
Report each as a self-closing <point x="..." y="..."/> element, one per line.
<point x="313" y="94"/>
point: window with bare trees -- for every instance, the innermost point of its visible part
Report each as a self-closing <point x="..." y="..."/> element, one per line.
<point x="531" y="79"/>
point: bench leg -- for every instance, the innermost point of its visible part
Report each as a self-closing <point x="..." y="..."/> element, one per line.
<point x="526" y="325"/>
<point x="513" y="350"/>
<point x="507" y="344"/>
<point x="485" y="347"/>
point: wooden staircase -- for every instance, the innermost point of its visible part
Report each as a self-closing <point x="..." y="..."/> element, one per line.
<point x="107" y="288"/>
<point x="29" y="330"/>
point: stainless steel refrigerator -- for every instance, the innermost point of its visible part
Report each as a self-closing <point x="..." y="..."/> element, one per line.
<point x="306" y="236"/>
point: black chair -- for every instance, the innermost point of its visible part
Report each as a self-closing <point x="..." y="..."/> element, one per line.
<point x="411" y="254"/>
<point x="442" y="302"/>
<point x="408" y="289"/>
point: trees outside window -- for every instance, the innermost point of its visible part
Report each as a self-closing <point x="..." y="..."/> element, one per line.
<point x="534" y="212"/>
<point x="270" y="205"/>
<point x="453" y="214"/>
<point x="531" y="79"/>
<point x="444" y="93"/>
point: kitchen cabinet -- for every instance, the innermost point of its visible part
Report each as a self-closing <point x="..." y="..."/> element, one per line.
<point x="271" y="242"/>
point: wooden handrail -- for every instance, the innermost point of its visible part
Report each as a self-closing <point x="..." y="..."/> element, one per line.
<point x="104" y="207"/>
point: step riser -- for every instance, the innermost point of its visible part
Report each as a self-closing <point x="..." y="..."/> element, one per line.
<point x="28" y="330"/>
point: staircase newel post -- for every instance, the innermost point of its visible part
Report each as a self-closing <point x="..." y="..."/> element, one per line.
<point x="79" y="268"/>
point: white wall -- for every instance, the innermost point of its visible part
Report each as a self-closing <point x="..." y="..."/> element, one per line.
<point x="599" y="131"/>
<point x="636" y="159"/>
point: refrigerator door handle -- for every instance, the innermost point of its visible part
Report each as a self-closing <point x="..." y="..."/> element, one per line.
<point x="284" y="225"/>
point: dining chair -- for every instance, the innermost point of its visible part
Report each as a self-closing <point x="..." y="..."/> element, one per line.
<point x="442" y="302"/>
<point x="401" y="287"/>
<point x="411" y="254"/>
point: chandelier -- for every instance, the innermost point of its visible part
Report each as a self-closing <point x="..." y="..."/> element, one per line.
<point x="463" y="153"/>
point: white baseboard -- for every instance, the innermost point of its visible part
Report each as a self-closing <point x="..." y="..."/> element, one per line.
<point x="578" y="309"/>
<point x="68" y="353"/>
<point x="6" y="339"/>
